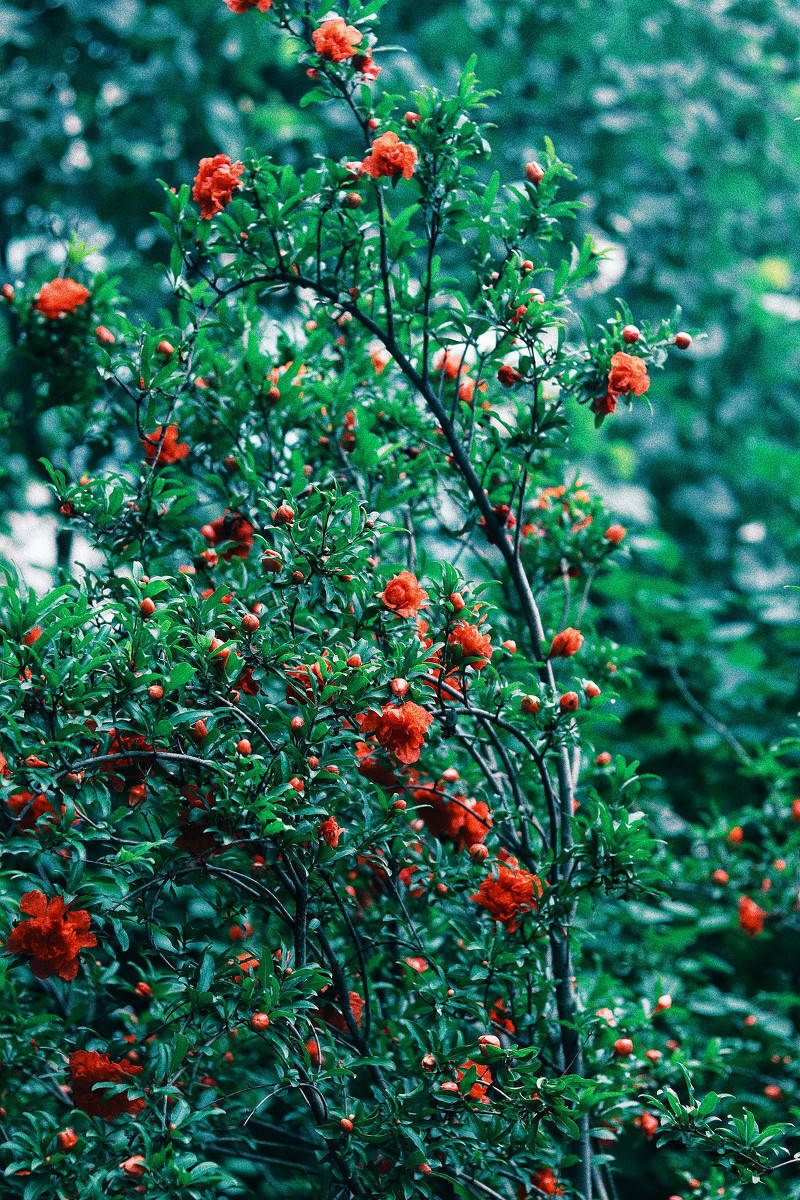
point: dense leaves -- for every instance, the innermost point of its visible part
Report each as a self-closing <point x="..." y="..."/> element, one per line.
<point x="324" y="857"/>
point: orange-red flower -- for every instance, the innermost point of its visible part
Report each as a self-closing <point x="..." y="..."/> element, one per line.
<point x="751" y="916"/>
<point x="336" y="40"/>
<point x="61" y="296"/>
<point x="566" y="643"/>
<point x="215" y="182"/>
<point x="509" y="894"/>
<point x="390" y="158"/>
<point x="86" y="1068"/>
<point x="52" y="938"/>
<point x="473" y="643"/>
<point x="403" y="595"/>
<point x="171" y="450"/>
<point x="400" y="728"/>
<point x="628" y="374"/>
<point x="243" y="6"/>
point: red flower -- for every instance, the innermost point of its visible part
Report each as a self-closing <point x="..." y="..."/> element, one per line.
<point x="333" y="1016"/>
<point x="135" y="770"/>
<point x="336" y="40"/>
<point x="52" y="938"/>
<point x="546" y="1182"/>
<point x="234" y="528"/>
<point x="499" y="1015"/>
<point x="365" y="65"/>
<point x="306" y="676"/>
<point x="465" y="822"/>
<point x="403" y="595"/>
<point x="250" y="686"/>
<point x="505" y="519"/>
<point x="39" y="806"/>
<point x="243" y="6"/>
<point x="390" y="158"/>
<point x="509" y="894"/>
<point x="215" y="181"/>
<point x="751" y="916"/>
<point x="329" y="831"/>
<point x="61" y="296"/>
<point x="451" y="362"/>
<point x="399" y="727"/>
<point x="603" y="406"/>
<point x="481" y="1084"/>
<point x="566" y="643"/>
<point x="86" y="1068"/>
<point x="473" y="643"/>
<point x="171" y="449"/>
<point x="628" y="374"/>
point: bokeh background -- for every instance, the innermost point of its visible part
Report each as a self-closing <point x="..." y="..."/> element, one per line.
<point x="680" y="119"/>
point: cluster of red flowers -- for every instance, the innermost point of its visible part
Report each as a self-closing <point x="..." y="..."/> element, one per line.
<point x="400" y="728"/>
<point x="627" y="374"/>
<point x="215" y="182"/>
<point x="403" y="595"/>
<point x="86" y="1068"/>
<point x="59" y="297"/>
<point x="52" y="938"/>
<point x="170" y="451"/>
<point x="510" y="893"/>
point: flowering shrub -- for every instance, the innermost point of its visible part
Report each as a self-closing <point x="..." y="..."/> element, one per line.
<point x="316" y="864"/>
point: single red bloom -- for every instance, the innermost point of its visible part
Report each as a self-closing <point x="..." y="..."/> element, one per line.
<point x="171" y="451"/>
<point x="233" y="528"/>
<point x="39" y="806"/>
<point x="243" y="6"/>
<point x="390" y="158"/>
<point x="400" y="728"/>
<point x="215" y="182"/>
<point x="59" y="297"/>
<point x="329" y="831"/>
<point x="473" y="643"/>
<point x="481" y="1084"/>
<point x="336" y="40"/>
<point x="603" y="406"/>
<point x="52" y="938"/>
<point x="628" y="374"/>
<point x="86" y="1068"/>
<point x="463" y="821"/>
<point x="751" y="916"/>
<point x="566" y="643"/>
<point x="403" y="595"/>
<point x="509" y="894"/>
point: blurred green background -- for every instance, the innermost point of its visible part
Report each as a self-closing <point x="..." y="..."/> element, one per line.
<point x="679" y="118"/>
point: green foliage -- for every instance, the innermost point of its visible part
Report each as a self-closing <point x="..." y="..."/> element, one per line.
<point x="268" y="788"/>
